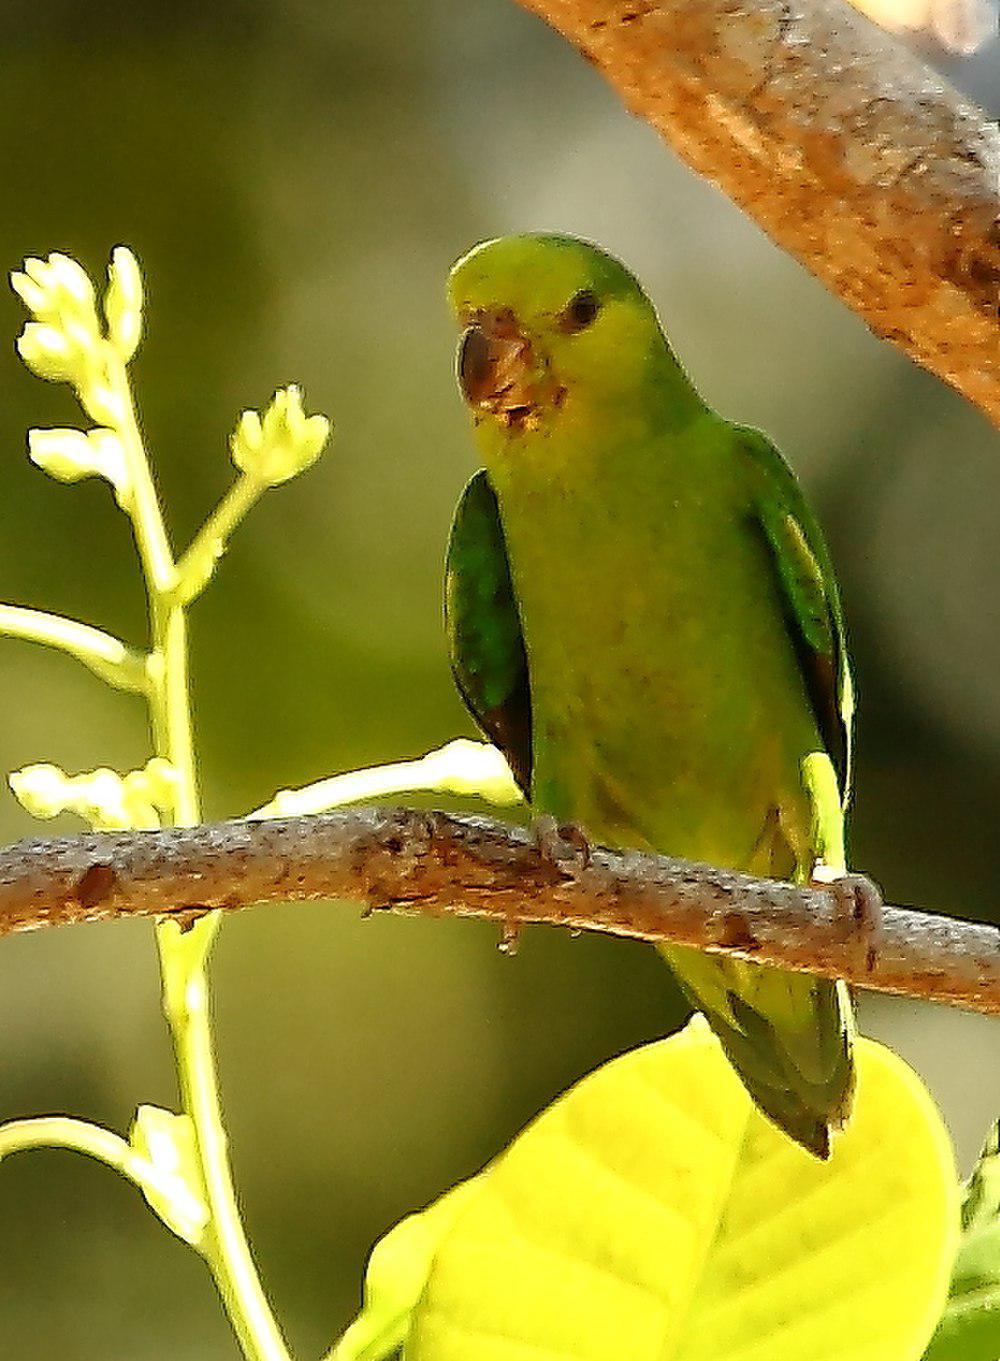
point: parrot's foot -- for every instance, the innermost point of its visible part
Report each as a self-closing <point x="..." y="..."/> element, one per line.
<point x="563" y="845"/>
<point x="858" y="906"/>
<point x="510" y="938"/>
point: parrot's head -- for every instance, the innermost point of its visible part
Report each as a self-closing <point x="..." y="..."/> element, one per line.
<point x="554" y="331"/>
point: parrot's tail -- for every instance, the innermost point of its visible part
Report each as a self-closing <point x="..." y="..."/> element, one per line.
<point x="788" y="1035"/>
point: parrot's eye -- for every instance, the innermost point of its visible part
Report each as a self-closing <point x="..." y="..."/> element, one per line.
<point x="581" y="310"/>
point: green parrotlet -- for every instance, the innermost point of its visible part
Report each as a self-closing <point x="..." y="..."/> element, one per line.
<point x="642" y="615"/>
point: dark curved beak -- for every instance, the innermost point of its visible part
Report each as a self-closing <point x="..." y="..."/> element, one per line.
<point x="494" y="367"/>
<point x="476" y="366"/>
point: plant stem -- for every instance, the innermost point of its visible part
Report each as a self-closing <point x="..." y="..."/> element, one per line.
<point x="61" y="1131"/>
<point x="225" y="1246"/>
<point x="108" y="657"/>
<point x="144" y="510"/>
<point x="459" y="767"/>
<point x="198" y="562"/>
<point x="171" y="700"/>
<point x="80" y="1136"/>
<point x="183" y="953"/>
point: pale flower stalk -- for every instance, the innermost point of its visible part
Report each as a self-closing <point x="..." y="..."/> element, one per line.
<point x="177" y="1159"/>
<point x="267" y="450"/>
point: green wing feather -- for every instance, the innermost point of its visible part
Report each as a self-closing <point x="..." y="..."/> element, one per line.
<point x="787" y="1034"/>
<point x="810" y="596"/>
<point x="485" y="641"/>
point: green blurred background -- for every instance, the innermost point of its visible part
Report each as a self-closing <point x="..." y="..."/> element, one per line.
<point x="296" y="178"/>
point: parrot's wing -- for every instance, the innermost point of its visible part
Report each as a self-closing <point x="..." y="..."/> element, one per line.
<point x="810" y="596"/>
<point x="485" y="641"/>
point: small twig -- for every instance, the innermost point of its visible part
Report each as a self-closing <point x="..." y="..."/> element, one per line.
<point x="415" y="862"/>
<point x="109" y="658"/>
<point x="849" y="151"/>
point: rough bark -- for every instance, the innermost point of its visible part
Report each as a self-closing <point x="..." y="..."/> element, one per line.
<point x="403" y="861"/>
<point x="847" y="150"/>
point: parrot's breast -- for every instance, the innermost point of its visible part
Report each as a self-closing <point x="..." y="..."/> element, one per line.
<point x="667" y="704"/>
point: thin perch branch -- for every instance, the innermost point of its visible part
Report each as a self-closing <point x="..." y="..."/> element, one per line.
<point x="414" y="862"/>
<point x="849" y="151"/>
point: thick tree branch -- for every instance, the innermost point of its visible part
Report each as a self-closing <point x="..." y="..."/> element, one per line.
<point x="845" y="148"/>
<point x="414" y="862"/>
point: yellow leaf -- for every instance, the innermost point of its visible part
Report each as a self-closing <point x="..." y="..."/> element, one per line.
<point x="652" y="1214"/>
<point x="396" y="1276"/>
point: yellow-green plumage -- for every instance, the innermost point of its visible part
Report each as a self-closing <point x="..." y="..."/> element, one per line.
<point x="642" y="614"/>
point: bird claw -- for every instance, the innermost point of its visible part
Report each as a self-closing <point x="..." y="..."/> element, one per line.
<point x="858" y="906"/>
<point x="510" y="938"/>
<point x="562" y="845"/>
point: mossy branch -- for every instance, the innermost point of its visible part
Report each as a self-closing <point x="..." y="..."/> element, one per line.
<point x="430" y="863"/>
<point x="851" y="153"/>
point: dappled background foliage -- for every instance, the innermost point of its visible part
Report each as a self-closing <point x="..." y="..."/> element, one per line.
<point x="297" y="177"/>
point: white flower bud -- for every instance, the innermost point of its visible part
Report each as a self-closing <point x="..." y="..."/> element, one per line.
<point x="101" y="797"/>
<point x="63" y="342"/>
<point x="57" y="290"/>
<point x="32" y="294"/>
<point x="166" y="1163"/>
<point x="247" y="439"/>
<point x="40" y="789"/>
<point x="70" y="455"/>
<point x="162" y="782"/>
<point x="282" y="443"/>
<point x="123" y="302"/>
<point x="69" y="278"/>
<point x="150" y="791"/>
<point x="47" y="352"/>
<point x="64" y="454"/>
<point x="463" y="766"/>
